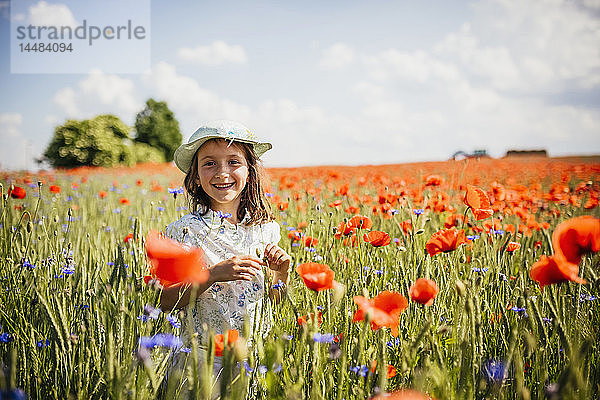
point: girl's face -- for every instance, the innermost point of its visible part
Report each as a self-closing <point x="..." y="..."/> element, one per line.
<point x="222" y="173"/>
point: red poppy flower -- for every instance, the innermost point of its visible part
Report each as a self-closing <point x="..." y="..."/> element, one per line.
<point x="232" y="337"/>
<point x="139" y="182"/>
<point x="54" y="189"/>
<point x="128" y="238"/>
<point x="377" y="238"/>
<point x="575" y="237"/>
<point x="383" y="310"/>
<point x="433" y="180"/>
<point x="124" y="201"/>
<point x="316" y="276"/>
<point x="424" y="291"/>
<point x="512" y="246"/>
<point x="303" y="320"/>
<point x="282" y="206"/>
<point x="478" y="201"/>
<point x="391" y="370"/>
<point x="17" y="192"/>
<point x="102" y="194"/>
<point x="406" y="226"/>
<point x="547" y="271"/>
<point x="445" y="240"/>
<point x="310" y="241"/>
<point x="174" y="263"/>
<point x="359" y="221"/>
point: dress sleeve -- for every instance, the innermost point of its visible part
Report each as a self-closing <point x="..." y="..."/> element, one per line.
<point x="275" y="232"/>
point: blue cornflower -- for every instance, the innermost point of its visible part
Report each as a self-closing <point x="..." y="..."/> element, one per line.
<point x="323" y="337"/>
<point x="418" y="211"/>
<point x="295" y="244"/>
<point x="262" y="369"/>
<point x="117" y="211"/>
<point x="269" y="194"/>
<point x="110" y="263"/>
<point x="362" y="370"/>
<point x="378" y="271"/>
<point x="277" y="368"/>
<point x="27" y="264"/>
<point x="287" y="336"/>
<point x="279" y="285"/>
<point x="547" y="320"/>
<point x="498" y="232"/>
<point x="174" y="321"/>
<point x="161" y="340"/>
<point x="291" y="228"/>
<point x="247" y="367"/>
<point x="186" y="350"/>
<point x="159" y="208"/>
<point x="152" y="312"/>
<point x="494" y="370"/>
<point x="472" y="237"/>
<point x="69" y="198"/>
<point x="5" y="337"/>
<point x="587" y="298"/>
<point x="178" y="190"/>
<point x="108" y="229"/>
<point x="320" y="308"/>
<point x="68" y="269"/>
<point x="182" y="208"/>
<point x="43" y="343"/>
<point x="475" y="269"/>
<point x="223" y="215"/>
<point x="393" y="342"/>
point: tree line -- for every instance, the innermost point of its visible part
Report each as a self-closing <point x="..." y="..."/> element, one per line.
<point x="106" y="141"/>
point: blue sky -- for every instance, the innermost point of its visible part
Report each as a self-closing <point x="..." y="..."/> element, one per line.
<point x="337" y="82"/>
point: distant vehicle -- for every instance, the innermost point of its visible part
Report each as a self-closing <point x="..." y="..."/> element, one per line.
<point x="461" y="155"/>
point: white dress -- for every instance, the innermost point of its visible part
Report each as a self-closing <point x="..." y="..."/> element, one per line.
<point x="225" y="305"/>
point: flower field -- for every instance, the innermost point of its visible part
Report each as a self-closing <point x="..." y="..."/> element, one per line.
<point x="473" y="279"/>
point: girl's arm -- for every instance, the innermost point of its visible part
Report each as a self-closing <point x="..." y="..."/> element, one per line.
<point x="234" y="268"/>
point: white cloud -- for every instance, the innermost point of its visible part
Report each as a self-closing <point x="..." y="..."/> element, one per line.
<point x="217" y="53"/>
<point x="100" y="93"/>
<point x="337" y="56"/>
<point x="44" y="14"/>
<point x="14" y="148"/>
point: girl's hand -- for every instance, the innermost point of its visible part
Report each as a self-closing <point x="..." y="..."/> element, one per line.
<point x="278" y="259"/>
<point x="235" y="268"/>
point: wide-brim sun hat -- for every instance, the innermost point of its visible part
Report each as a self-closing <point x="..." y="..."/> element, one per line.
<point x="222" y="129"/>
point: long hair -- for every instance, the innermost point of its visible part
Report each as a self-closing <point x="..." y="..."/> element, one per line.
<point x="252" y="198"/>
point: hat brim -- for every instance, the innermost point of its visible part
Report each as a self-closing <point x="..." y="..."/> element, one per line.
<point x="185" y="153"/>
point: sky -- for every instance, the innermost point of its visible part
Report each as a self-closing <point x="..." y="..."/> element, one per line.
<point x="328" y="83"/>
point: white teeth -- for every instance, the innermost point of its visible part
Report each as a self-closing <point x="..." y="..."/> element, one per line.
<point x="223" y="186"/>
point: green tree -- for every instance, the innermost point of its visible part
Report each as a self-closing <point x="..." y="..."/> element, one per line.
<point x="156" y="126"/>
<point x="102" y="141"/>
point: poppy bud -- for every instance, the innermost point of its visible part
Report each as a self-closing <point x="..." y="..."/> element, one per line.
<point x="420" y="231"/>
<point x="56" y="219"/>
<point x="70" y="212"/>
<point x="29" y="227"/>
<point x="460" y="288"/>
<point x="40" y="183"/>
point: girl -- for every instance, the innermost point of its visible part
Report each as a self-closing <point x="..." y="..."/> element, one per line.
<point x="232" y="223"/>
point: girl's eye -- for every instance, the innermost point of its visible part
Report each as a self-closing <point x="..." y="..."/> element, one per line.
<point x="208" y="164"/>
<point x="234" y="162"/>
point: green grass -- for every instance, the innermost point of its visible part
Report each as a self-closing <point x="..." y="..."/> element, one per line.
<point x="92" y="318"/>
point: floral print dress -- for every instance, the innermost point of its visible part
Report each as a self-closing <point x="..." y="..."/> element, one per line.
<point x="225" y="305"/>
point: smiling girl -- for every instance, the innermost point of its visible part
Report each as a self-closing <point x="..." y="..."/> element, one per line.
<point x="232" y="223"/>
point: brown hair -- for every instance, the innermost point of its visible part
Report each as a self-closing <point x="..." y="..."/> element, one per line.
<point x="252" y="198"/>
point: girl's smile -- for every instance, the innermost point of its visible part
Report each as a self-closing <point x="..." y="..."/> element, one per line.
<point x="223" y="174"/>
